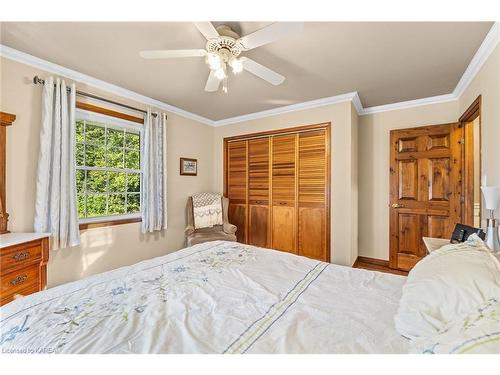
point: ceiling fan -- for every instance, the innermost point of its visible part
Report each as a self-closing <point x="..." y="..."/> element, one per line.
<point x="224" y="47"/>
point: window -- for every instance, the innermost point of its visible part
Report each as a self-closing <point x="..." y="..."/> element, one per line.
<point x="108" y="172"/>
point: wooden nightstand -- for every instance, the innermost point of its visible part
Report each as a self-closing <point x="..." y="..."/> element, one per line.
<point x="432" y="243"/>
<point x="23" y="264"/>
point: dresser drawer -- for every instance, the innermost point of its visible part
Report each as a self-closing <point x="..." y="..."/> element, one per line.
<point x="19" y="256"/>
<point x="15" y="281"/>
<point x="25" y="292"/>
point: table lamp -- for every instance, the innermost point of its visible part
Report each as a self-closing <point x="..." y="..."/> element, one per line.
<point x="491" y="196"/>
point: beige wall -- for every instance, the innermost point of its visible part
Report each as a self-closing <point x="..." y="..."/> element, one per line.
<point x="102" y="249"/>
<point x="487" y="84"/>
<point x="374" y="169"/>
<point x="354" y="184"/>
<point x="360" y="158"/>
<point x="374" y="150"/>
<point x="343" y="214"/>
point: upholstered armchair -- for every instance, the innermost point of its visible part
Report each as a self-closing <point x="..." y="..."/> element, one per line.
<point x="225" y="232"/>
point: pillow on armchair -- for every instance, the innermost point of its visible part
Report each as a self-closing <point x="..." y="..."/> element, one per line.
<point x="224" y="232"/>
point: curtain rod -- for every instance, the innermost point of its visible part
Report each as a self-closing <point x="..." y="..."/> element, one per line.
<point x="39" y="81"/>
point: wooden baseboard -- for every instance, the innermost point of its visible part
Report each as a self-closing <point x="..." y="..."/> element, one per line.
<point x="373" y="264"/>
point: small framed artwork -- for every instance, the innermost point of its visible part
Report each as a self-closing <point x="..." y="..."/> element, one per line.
<point x="189" y="167"/>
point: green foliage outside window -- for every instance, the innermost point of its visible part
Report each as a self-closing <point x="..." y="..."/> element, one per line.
<point x="101" y="191"/>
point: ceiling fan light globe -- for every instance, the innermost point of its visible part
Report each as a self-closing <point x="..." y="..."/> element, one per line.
<point x="236" y="65"/>
<point x="220" y="74"/>
<point x="214" y="61"/>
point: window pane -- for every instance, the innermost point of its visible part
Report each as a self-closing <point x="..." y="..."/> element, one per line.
<point x="80" y="154"/>
<point x="115" y="157"/>
<point x="133" y="203"/>
<point x="94" y="134"/>
<point x="134" y="182"/>
<point x="104" y="192"/>
<point x="95" y="156"/>
<point x="80" y="181"/>
<point x="116" y="204"/>
<point x="80" y="131"/>
<point x="132" y="140"/>
<point x="81" y="205"/>
<point x="96" y="181"/>
<point x="116" y="182"/>
<point x="96" y="205"/>
<point x="132" y="159"/>
<point x="115" y="138"/>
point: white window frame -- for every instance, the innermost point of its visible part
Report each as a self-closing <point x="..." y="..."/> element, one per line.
<point x="112" y="122"/>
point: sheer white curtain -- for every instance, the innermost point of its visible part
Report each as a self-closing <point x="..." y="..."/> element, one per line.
<point x="56" y="210"/>
<point x="154" y="173"/>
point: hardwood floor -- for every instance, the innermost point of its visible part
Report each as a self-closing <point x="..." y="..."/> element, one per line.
<point x="376" y="265"/>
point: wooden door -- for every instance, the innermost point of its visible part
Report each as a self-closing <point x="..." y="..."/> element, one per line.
<point x="236" y="187"/>
<point x="258" y="192"/>
<point x="425" y="189"/>
<point x="313" y="188"/>
<point x="283" y="193"/>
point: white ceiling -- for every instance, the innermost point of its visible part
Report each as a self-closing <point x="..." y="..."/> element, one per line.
<point x="384" y="62"/>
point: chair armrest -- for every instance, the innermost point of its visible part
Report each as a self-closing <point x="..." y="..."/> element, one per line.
<point x="189" y="230"/>
<point x="229" y="228"/>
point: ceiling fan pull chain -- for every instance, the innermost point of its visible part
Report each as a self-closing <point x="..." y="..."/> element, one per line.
<point x="224" y="84"/>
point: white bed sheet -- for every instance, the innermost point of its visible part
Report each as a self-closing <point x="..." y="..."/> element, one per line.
<point x="216" y="297"/>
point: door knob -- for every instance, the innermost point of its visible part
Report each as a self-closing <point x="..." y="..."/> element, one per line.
<point x="396" y="205"/>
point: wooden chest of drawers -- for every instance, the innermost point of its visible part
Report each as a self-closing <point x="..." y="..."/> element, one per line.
<point x="23" y="265"/>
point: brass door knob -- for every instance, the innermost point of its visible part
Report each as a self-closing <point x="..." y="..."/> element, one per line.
<point x="396" y="205"/>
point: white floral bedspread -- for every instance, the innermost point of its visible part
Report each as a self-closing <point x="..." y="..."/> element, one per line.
<point x="216" y="297"/>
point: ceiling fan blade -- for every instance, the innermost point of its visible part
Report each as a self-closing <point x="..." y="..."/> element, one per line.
<point x="269" y="34"/>
<point x="212" y="82"/>
<point x="207" y="29"/>
<point x="261" y="71"/>
<point x="172" y="53"/>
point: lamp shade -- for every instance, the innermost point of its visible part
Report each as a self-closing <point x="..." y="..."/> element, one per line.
<point x="491" y="196"/>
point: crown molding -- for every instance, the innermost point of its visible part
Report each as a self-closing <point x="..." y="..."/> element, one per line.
<point x="290" y="108"/>
<point x="484" y="51"/>
<point x="356" y="102"/>
<point x="25" y="58"/>
<point x="488" y="45"/>
<point x="408" y="104"/>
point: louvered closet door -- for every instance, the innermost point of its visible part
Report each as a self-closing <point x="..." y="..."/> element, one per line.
<point x="312" y="195"/>
<point x="258" y="192"/>
<point x="237" y="187"/>
<point x="283" y="193"/>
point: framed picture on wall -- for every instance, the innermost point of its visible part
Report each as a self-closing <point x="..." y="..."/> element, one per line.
<point x="189" y="167"/>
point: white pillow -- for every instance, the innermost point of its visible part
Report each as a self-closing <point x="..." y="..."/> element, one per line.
<point x="447" y="284"/>
<point x="475" y="333"/>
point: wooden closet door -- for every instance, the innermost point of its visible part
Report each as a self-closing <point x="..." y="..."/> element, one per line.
<point x="284" y="233"/>
<point x="313" y="241"/>
<point x="258" y="192"/>
<point x="237" y="187"/>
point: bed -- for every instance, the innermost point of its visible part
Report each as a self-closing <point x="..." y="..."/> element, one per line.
<point x="215" y="297"/>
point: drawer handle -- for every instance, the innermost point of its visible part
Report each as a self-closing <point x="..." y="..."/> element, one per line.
<point x="21" y="255"/>
<point x="18" y="280"/>
<point x="283" y="203"/>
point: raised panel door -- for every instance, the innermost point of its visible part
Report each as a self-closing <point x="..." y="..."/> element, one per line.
<point x="425" y="189"/>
